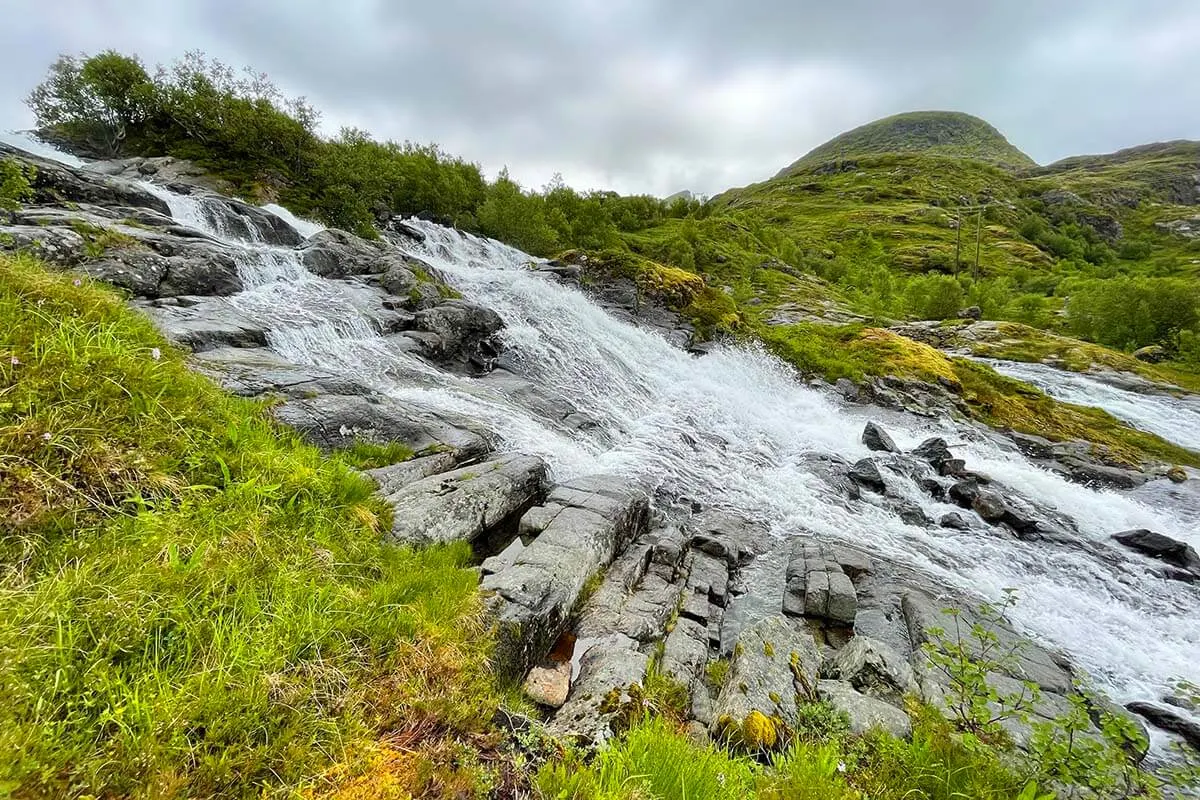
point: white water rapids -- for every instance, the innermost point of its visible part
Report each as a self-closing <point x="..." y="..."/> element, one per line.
<point x="728" y="429"/>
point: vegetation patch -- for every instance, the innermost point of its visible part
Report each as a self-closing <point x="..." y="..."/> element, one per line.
<point x="194" y="603"/>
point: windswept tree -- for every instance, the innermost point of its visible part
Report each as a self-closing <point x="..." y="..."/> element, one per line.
<point x="94" y="100"/>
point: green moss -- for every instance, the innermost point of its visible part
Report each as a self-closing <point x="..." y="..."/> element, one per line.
<point x="363" y="454"/>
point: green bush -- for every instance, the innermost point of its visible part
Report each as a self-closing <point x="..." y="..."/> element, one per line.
<point x="1132" y="312"/>
<point x="14" y="185"/>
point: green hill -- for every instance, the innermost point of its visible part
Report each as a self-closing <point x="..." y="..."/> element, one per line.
<point x="947" y="133"/>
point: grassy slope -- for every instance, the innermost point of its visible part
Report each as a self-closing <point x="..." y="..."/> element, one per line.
<point x="948" y="133"/>
<point x="192" y="602"/>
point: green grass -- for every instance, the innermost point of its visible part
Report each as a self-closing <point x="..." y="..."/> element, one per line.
<point x="193" y="602"/>
<point x="654" y="759"/>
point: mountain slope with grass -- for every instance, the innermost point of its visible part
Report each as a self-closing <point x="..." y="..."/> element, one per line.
<point x="947" y="133"/>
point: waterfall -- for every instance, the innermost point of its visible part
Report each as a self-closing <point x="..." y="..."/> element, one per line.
<point x="731" y="430"/>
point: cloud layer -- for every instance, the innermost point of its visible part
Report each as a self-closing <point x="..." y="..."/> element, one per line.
<point x="656" y="96"/>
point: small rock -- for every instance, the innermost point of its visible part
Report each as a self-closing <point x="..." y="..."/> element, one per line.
<point x="865" y="713"/>
<point x="954" y="520"/>
<point x="876" y="438"/>
<point x="934" y="450"/>
<point x="866" y="472"/>
<point x="1152" y="354"/>
<point x="549" y="686"/>
<point x="971" y="312"/>
<point x="1177" y="474"/>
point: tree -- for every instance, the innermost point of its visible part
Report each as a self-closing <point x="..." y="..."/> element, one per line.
<point x="94" y="101"/>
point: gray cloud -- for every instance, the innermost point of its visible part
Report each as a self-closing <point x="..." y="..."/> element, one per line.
<point x="655" y="96"/>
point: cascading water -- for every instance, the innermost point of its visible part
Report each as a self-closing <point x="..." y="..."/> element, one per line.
<point x="730" y="429"/>
<point x="1175" y="419"/>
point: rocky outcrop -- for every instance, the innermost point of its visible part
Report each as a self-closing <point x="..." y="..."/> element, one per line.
<point x="773" y="664"/>
<point x="583" y="525"/>
<point x="466" y="503"/>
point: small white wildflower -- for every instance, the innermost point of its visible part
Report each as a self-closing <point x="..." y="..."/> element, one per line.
<point x="155" y="353"/>
<point x="46" y="436"/>
<point x="841" y="766"/>
<point x="77" y="282"/>
<point x="15" y="361"/>
<point x="721" y="778"/>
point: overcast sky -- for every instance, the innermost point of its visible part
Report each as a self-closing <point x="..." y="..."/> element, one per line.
<point x="646" y="96"/>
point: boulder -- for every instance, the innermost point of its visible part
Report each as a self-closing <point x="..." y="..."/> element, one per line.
<point x="468" y="502"/>
<point x="465" y="332"/>
<point x="1177" y="474"/>
<point x="1152" y="354"/>
<point x="971" y="312"/>
<point x="955" y="521"/>
<point x="871" y="667"/>
<point x="866" y="473"/>
<point x="933" y="451"/>
<point x="876" y="438"/>
<point x="864" y="712"/>
<point x="1164" y="548"/>
<point x="772" y="663"/>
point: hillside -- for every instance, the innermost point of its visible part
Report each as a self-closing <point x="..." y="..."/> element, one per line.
<point x="946" y="133"/>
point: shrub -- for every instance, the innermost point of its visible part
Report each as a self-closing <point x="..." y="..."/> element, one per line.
<point x="14" y="185"/>
<point x="1133" y="312"/>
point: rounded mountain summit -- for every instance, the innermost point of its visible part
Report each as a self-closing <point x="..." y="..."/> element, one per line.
<point x="946" y="133"/>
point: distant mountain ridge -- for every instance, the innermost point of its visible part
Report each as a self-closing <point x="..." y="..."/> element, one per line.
<point x="947" y="133"/>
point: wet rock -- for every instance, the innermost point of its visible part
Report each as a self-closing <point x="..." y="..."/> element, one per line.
<point x="934" y="451"/>
<point x="734" y="539"/>
<point x="872" y="668"/>
<point x="249" y="372"/>
<point x="760" y="587"/>
<point x="1031" y="661"/>
<point x="955" y="521"/>
<point x="465" y="332"/>
<point x="865" y="713"/>
<point x="1092" y="474"/>
<point x="876" y="438"/>
<point x="1171" y="720"/>
<point x="1177" y="474"/>
<point x="866" y="473"/>
<point x="466" y="503"/>
<point x="548" y="686"/>
<point x="210" y="323"/>
<point x="1164" y="548"/>
<point x="707" y="576"/>
<point x="848" y="389"/>
<point x="332" y="253"/>
<point x="334" y="421"/>
<point x="772" y="663"/>
<point x="531" y="600"/>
